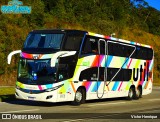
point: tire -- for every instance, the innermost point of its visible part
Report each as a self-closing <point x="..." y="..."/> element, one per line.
<point x="131" y="93"/>
<point x="138" y="93"/>
<point x="80" y="97"/>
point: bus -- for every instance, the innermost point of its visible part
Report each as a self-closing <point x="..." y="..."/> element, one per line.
<point x="75" y="65"/>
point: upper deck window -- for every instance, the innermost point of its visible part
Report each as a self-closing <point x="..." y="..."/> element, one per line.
<point x="44" y="41"/>
<point x="72" y="42"/>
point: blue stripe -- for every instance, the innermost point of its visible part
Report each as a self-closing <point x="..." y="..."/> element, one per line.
<point x="96" y="86"/>
<point x="109" y="59"/>
<point x="49" y="86"/>
<point x="116" y="84"/>
<point x="82" y="42"/>
<point x="125" y="63"/>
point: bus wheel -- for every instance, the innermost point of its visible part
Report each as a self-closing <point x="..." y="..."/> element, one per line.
<point x="138" y="93"/>
<point x="79" y="97"/>
<point x="131" y="93"/>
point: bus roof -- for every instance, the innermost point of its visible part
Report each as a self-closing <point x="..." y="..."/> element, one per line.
<point x="116" y="39"/>
<point x="57" y="31"/>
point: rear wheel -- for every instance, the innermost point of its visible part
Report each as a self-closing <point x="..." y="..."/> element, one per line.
<point x="80" y="97"/>
<point x="138" y="93"/>
<point x="131" y="93"/>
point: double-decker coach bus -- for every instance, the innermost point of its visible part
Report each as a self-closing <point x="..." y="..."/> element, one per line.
<point x="74" y="65"/>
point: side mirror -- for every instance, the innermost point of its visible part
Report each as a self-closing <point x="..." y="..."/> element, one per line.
<point x="11" y="54"/>
<point x="54" y="59"/>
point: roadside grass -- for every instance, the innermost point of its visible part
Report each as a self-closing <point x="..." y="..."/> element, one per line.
<point x="7" y="90"/>
<point x="7" y="94"/>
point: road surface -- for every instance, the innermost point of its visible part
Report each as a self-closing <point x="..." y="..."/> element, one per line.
<point x="145" y="109"/>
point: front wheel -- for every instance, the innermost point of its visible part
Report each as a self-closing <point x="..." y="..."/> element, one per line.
<point x="79" y="97"/>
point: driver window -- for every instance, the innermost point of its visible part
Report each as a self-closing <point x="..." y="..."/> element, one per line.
<point x="90" y="45"/>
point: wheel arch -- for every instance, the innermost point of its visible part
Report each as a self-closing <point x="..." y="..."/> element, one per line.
<point x="82" y="87"/>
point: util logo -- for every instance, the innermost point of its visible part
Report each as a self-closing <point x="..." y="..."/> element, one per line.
<point x="142" y="72"/>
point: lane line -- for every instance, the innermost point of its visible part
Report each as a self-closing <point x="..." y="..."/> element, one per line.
<point x="20" y="111"/>
<point x="151" y="111"/>
<point x="107" y="104"/>
<point x="155" y="88"/>
<point x="154" y="99"/>
<point x="75" y="120"/>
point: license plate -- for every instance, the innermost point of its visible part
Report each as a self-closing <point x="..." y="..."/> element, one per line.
<point x="31" y="98"/>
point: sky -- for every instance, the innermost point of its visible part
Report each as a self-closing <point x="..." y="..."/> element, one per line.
<point x="154" y="3"/>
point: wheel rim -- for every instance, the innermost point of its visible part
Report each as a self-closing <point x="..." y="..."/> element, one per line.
<point x="137" y="92"/>
<point x="78" y="96"/>
<point x="130" y="93"/>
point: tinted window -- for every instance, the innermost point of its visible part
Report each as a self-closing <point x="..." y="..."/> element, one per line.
<point x="90" y="45"/>
<point x="121" y="50"/>
<point x="91" y="74"/>
<point x="123" y="75"/>
<point x="102" y="47"/>
<point x="73" y="42"/>
<point x="43" y="41"/>
<point x="143" y="53"/>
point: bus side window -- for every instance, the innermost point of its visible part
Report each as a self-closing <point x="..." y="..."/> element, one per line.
<point x="90" y="46"/>
<point x="87" y="47"/>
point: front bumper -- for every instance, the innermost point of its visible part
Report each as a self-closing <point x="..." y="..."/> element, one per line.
<point x="45" y="96"/>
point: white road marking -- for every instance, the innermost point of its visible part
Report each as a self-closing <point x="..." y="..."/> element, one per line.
<point x="107" y="104"/>
<point x="153" y="99"/>
<point x="74" y="120"/>
<point x="157" y="87"/>
<point x="20" y="111"/>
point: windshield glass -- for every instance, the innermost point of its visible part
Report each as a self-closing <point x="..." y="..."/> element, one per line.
<point x="36" y="72"/>
<point x="38" y="41"/>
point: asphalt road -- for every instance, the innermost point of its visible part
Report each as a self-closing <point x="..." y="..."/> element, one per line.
<point x="145" y="109"/>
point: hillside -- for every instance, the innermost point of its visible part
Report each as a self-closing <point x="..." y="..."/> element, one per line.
<point x="135" y="21"/>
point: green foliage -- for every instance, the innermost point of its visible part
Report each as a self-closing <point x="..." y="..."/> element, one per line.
<point x="129" y="19"/>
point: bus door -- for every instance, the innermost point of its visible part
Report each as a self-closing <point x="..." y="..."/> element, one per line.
<point x="102" y="67"/>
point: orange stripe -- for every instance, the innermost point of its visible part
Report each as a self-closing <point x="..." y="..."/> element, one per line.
<point x="147" y="83"/>
<point x="108" y="87"/>
<point x="73" y="87"/>
<point x="96" y="61"/>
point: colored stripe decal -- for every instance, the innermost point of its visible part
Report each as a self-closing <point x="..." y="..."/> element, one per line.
<point x="73" y="87"/>
<point x="116" y="84"/>
<point x="49" y="86"/>
<point x="120" y="86"/>
<point x="109" y="59"/>
<point x="87" y="84"/>
<point x="96" y="61"/>
<point x="96" y="86"/>
<point x="40" y="88"/>
<point x="129" y="64"/>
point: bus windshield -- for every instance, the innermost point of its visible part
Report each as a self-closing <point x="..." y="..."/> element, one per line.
<point x="36" y="72"/>
<point x="43" y="42"/>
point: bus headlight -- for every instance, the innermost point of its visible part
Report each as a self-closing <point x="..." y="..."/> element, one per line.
<point x="54" y="88"/>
